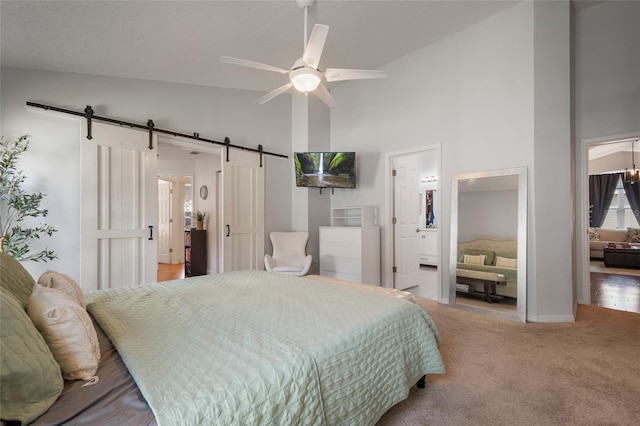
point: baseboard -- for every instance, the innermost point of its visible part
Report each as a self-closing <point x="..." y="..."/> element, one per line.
<point x="550" y="318"/>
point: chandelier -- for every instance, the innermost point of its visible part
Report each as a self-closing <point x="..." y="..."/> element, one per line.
<point x="633" y="175"/>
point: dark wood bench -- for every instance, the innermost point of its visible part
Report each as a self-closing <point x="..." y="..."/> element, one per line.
<point x="488" y="279"/>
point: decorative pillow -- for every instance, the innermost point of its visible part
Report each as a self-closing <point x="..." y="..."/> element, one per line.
<point x="505" y="262"/>
<point x="489" y="254"/>
<point x="15" y="279"/>
<point x="594" y="235"/>
<point x="30" y="378"/>
<point x="474" y="260"/>
<point x="63" y="283"/>
<point x="633" y="235"/>
<point x="68" y="330"/>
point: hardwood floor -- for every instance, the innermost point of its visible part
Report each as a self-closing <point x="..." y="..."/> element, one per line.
<point x="613" y="291"/>
<point x="167" y="272"/>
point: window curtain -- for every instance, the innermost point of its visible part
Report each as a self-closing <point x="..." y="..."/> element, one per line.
<point x="601" y="189"/>
<point x="632" y="191"/>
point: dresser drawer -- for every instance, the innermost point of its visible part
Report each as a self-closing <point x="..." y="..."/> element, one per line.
<point x="340" y="235"/>
<point x="332" y="248"/>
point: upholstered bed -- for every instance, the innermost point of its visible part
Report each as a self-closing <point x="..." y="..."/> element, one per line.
<point x="247" y="347"/>
<point x="495" y="252"/>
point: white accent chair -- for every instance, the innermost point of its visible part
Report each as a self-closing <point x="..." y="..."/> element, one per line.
<point x="289" y="253"/>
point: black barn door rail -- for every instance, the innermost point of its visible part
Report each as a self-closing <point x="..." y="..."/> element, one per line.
<point x="150" y="127"/>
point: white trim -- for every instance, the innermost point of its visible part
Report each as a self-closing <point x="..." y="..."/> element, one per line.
<point x="550" y="318"/>
<point x="387" y="263"/>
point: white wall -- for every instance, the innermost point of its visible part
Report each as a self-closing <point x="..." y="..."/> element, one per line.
<point x="52" y="163"/>
<point x="495" y="95"/>
<point x="492" y="214"/>
<point x="607" y="69"/>
<point x="551" y="194"/>
<point x="607" y="96"/>
<point x="472" y="92"/>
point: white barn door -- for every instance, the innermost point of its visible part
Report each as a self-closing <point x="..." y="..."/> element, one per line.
<point x="119" y="199"/>
<point x="242" y="211"/>
<point x="406" y="211"/>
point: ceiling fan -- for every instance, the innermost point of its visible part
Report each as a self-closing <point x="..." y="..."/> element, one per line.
<point x="304" y="74"/>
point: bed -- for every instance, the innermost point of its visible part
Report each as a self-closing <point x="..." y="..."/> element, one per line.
<point x="249" y="347"/>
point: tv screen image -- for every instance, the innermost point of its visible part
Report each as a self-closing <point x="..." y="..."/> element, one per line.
<point x="325" y="169"/>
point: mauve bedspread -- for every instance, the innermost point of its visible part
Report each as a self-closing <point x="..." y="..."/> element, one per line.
<point x="252" y="347"/>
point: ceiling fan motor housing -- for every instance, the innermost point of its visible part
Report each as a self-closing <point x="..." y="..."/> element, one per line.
<point x="305" y="3"/>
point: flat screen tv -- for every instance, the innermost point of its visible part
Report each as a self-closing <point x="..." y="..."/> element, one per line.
<point x="325" y="169"/>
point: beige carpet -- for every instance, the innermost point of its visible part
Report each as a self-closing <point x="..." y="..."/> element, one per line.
<point x="501" y="372"/>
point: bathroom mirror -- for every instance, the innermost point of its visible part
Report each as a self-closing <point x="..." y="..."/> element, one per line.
<point x="429" y="209"/>
<point x="489" y="226"/>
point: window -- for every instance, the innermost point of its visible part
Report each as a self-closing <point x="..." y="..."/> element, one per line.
<point x="619" y="215"/>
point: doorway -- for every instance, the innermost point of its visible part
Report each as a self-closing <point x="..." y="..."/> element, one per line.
<point x="406" y="202"/>
<point x="600" y="285"/>
<point x="186" y="166"/>
<point x="230" y="192"/>
<point x="175" y="210"/>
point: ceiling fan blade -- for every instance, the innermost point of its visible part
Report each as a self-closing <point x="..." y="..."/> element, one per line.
<point x="339" y="74"/>
<point x="251" y="64"/>
<point x="324" y="95"/>
<point x="313" y="51"/>
<point x="272" y="94"/>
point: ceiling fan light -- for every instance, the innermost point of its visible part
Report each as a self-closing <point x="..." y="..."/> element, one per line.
<point x="305" y="80"/>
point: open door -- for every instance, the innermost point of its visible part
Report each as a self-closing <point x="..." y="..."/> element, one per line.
<point x="119" y="207"/>
<point x="242" y="211"/>
<point x="165" y="209"/>
<point x="406" y="211"/>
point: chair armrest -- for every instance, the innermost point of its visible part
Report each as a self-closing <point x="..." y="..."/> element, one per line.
<point x="307" y="264"/>
<point x="269" y="263"/>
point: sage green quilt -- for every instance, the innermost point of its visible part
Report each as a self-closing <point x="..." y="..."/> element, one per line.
<point x="259" y="348"/>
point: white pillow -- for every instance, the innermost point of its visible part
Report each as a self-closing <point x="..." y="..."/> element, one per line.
<point x="64" y="283"/>
<point x="68" y="331"/>
<point x="474" y="260"/>
<point x="505" y="262"/>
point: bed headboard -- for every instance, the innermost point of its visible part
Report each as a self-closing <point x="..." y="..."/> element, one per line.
<point x="500" y="247"/>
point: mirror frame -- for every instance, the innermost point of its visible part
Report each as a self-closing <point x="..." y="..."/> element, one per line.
<point x="521" y="172"/>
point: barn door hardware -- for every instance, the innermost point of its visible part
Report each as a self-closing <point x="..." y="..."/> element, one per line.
<point x="150" y="127"/>
<point x="88" y="113"/>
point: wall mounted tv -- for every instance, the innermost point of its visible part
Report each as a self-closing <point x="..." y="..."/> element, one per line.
<point x="325" y="169"/>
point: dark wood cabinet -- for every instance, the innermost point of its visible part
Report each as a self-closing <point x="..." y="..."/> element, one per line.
<point x="195" y="252"/>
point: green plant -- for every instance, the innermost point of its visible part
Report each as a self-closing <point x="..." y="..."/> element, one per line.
<point x="17" y="204"/>
<point x="200" y="216"/>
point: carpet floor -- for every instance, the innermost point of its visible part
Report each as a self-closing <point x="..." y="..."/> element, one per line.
<point x="501" y="372"/>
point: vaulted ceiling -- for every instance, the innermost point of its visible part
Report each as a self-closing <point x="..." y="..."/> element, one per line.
<point x="182" y="41"/>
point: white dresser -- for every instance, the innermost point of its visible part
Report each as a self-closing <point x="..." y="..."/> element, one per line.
<point x="350" y="253"/>
<point x="428" y="244"/>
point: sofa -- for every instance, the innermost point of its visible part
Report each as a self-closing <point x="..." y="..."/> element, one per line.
<point x="600" y="237"/>
<point x="500" y="258"/>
